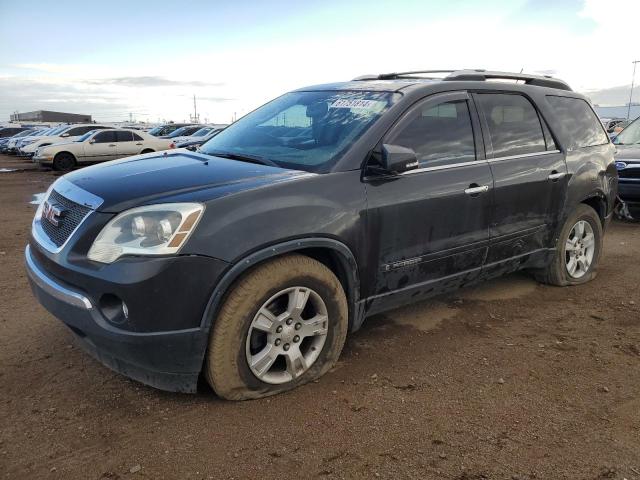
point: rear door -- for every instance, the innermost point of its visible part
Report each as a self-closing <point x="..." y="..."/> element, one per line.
<point x="126" y="144"/>
<point x="429" y="227"/>
<point x="529" y="172"/>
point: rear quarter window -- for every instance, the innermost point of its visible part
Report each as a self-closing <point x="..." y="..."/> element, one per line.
<point x="579" y="120"/>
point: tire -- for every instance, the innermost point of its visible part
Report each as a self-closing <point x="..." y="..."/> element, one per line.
<point x="235" y="339"/>
<point x="64" y="162"/>
<point x="147" y="150"/>
<point x="558" y="271"/>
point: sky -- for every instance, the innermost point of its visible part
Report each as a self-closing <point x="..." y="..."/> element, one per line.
<point x="147" y="59"/>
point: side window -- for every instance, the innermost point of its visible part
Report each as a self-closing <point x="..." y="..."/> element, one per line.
<point x="123" y="136"/>
<point x="137" y="137"/>
<point x="440" y="134"/>
<point x="107" y="136"/>
<point x="578" y="118"/>
<point x="75" y="131"/>
<point x="514" y="125"/>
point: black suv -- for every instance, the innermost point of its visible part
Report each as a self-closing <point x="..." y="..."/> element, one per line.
<point x="249" y="261"/>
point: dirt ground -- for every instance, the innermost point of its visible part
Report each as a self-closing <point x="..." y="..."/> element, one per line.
<point x="508" y="380"/>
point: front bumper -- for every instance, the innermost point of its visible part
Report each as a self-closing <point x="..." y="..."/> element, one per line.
<point x="168" y="360"/>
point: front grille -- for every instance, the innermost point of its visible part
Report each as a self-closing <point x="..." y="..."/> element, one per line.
<point x="629" y="173"/>
<point x="74" y="213"/>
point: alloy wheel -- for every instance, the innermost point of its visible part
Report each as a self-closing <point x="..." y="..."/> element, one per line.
<point x="286" y="335"/>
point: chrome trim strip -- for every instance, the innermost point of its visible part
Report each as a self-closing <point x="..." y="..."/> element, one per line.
<point x="524" y="155"/>
<point x="443" y="167"/>
<point x="52" y="287"/>
<point x="76" y="194"/>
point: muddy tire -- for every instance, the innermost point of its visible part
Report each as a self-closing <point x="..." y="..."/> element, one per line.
<point x="64" y="162"/>
<point x="283" y="324"/>
<point x="577" y="252"/>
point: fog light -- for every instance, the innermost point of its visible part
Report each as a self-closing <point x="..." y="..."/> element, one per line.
<point x="113" y="308"/>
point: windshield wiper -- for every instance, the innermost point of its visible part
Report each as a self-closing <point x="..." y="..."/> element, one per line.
<point x="243" y="157"/>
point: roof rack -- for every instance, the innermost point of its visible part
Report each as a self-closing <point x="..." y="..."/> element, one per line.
<point x="475" y="75"/>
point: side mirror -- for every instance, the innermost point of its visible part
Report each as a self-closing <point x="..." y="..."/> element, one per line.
<point x="93" y="140"/>
<point x="64" y="135"/>
<point x="398" y="159"/>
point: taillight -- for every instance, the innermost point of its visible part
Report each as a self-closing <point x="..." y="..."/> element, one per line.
<point x="173" y="145"/>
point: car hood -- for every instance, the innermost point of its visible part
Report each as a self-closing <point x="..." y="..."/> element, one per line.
<point x="627" y="152"/>
<point x="175" y="176"/>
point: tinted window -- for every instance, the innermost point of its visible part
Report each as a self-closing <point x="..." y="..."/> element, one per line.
<point x="107" y="136"/>
<point x="514" y="125"/>
<point x="122" y="136"/>
<point x="137" y="137"/>
<point x="439" y="134"/>
<point x="578" y="118"/>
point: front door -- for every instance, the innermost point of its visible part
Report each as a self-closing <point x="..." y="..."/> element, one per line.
<point x="530" y="177"/>
<point x="101" y="147"/>
<point x="429" y="228"/>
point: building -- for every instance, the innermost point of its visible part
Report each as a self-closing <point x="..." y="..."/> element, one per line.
<point x="48" y="116"/>
<point x="618" y="111"/>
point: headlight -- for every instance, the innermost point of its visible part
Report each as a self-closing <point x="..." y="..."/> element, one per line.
<point x="152" y="230"/>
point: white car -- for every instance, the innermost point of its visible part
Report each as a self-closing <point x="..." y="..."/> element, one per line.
<point x="68" y="132"/>
<point x="24" y="141"/>
<point x="100" y="146"/>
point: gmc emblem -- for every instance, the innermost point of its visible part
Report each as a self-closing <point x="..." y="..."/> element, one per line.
<point x="52" y="213"/>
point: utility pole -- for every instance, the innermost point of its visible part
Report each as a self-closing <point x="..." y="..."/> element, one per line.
<point x="632" y="84"/>
<point x="195" y="111"/>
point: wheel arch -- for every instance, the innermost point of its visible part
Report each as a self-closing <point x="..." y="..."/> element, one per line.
<point x="598" y="201"/>
<point x="332" y="253"/>
<point x="63" y="152"/>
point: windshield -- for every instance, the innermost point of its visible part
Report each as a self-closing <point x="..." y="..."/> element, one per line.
<point x="85" y="136"/>
<point x="630" y="135"/>
<point x="25" y="133"/>
<point x="202" y="132"/>
<point x="155" y="130"/>
<point x="302" y="130"/>
<point x="57" y="130"/>
<point x="177" y="133"/>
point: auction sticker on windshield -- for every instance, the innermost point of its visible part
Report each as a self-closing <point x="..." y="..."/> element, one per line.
<point x="358" y="104"/>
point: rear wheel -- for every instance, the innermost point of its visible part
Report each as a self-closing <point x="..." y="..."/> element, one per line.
<point x="578" y="250"/>
<point x="64" y="162"/>
<point x="147" y="150"/>
<point x="282" y="325"/>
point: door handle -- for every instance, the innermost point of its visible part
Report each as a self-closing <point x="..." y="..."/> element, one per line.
<point x="555" y="176"/>
<point x="112" y="144"/>
<point x="138" y="144"/>
<point x="476" y="189"/>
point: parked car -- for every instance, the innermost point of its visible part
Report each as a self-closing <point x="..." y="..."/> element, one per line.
<point x="70" y="132"/>
<point x="4" y="142"/>
<point x="166" y="129"/>
<point x="11" y="131"/>
<point x="197" y="142"/>
<point x="627" y="157"/>
<point x="14" y="144"/>
<point x="99" y="146"/>
<point x="198" y="135"/>
<point x="183" y="131"/>
<point x="251" y="261"/>
<point x="610" y="124"/>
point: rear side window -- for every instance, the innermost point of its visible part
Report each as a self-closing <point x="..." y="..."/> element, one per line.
<point x="137" y="137"/>
<point x="578" y="118"/>
<point x="440" y="134"/>
<point x="122" y="136"/>
<point x="514" y="125"/>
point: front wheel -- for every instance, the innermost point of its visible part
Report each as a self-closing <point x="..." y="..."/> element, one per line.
<point x="282" y="325"/>
<point x="64" y="162"/>
<point x="578" y="250"/>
